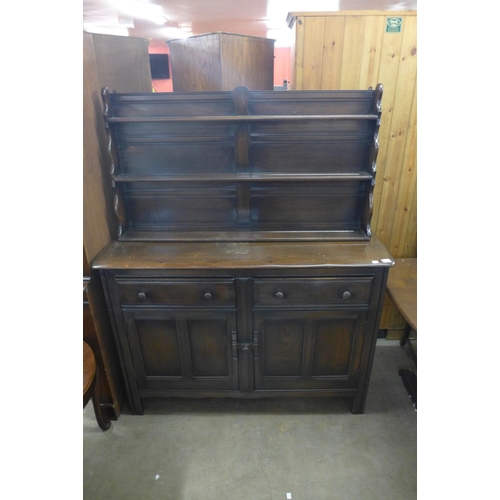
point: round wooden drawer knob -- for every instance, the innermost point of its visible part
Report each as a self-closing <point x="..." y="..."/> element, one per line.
<point x="141" y="295"/>
<point x="208" y="296"/>
<point x="346" y="295"/>
<point x="279" y="295"/>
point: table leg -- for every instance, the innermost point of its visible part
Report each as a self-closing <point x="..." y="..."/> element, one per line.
<point x="101" y="417"/>
<point x="405" y="335"/>
<point x="409" y="379"/>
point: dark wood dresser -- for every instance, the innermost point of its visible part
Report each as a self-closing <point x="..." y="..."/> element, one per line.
<point x="244" y="264"/>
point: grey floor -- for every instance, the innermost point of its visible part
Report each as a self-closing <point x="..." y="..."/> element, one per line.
<point x="303" y="449"/>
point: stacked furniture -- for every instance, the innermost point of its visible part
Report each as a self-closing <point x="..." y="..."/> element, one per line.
<point x="244" y="264"/>
<point x="122" y="62"/>
<point x="222" y="61"/>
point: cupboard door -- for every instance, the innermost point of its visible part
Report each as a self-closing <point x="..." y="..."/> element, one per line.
<point x="308" y="349"/>
<point x="182" y="350"/>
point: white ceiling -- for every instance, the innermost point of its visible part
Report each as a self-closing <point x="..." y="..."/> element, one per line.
<point x="175" y="19"/>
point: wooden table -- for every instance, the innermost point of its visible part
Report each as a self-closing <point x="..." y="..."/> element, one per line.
<point x="402" y="288"/>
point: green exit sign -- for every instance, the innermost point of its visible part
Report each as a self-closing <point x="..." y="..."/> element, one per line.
<point x="393" y="25"/>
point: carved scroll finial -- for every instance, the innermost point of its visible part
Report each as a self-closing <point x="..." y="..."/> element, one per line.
<point x="379" y="90"/>
<point x="111" y="149"/>
<point x="105" y="100"/>
<point x="377" y="101"/>
<point x="120" y="213"/>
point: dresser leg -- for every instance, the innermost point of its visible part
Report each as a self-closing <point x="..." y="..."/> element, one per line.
<point x="358" y="405"/>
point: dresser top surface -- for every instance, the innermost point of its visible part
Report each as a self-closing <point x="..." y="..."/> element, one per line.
<point x="242" y="255"/>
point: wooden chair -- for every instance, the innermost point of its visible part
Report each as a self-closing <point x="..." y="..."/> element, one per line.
<point x="91" y="386"/>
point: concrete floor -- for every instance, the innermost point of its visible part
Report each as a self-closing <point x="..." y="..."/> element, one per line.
<point x="303" y="449"/>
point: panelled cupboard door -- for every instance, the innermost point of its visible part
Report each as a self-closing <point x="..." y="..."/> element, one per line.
<point x="182" y="350"/>
<point x="308" y="349"/>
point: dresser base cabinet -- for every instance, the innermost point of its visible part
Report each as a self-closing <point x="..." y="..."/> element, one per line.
<point x="233" y="320"/>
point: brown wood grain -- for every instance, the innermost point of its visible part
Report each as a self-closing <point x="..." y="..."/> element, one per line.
<point x="222" y="61"/>
<point x="228" y="255"/>
<point x="402" y="288"/>
<point x="368" y="56"/>
<point x="375" y="56"/>
<point x="88" y="367"/>
<point x="122" y="63"/>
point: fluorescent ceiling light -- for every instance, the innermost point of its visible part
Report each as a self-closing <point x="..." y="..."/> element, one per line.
<point x="140" y="9"/>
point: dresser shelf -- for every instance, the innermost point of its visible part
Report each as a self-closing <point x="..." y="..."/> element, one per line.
<point x="243" y="164"/>
<point x="243" y="177"/>
<point x="234" y="118"/>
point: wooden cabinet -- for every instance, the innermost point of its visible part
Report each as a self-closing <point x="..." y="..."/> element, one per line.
<point x="242" y="319"/>
<point x="244" y="263"/>
<point x="121" y="62"/>
<point x="182" y="350"/>
<point x="222" y="61"/>
<point x="308" y="349"/>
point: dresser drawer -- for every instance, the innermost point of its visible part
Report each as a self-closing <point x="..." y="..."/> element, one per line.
<point x="310" y="292"/>
<point x="199" y="293"/>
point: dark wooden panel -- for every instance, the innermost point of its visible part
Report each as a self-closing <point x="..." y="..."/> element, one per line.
<point x="209" y="347"/>
<point x="177" y="157"/>
<point x="309" y="156"/>
<point x="308" y="349"/>
<point x="316" y="292"/>
<point x="282" y="340"/>
<point x="164" y="130"/>
<point x="311" y="103"/>
<point x="333" y="347"/>
<point x="181" y="349"/>
<point x="336" y="129"/>
<point x="159" y="347"/>
<point x="169" y="104"/>
<point x="284" y="206"/>
<point x="191" y="206"/>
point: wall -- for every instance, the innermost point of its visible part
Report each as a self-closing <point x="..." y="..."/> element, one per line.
<point x="161" y="85"/>
<point x="281" y="65"/>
